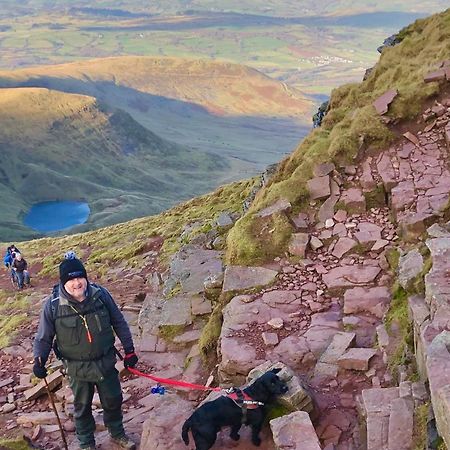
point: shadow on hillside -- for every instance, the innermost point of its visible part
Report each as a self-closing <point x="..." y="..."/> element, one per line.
<point x="259" y="141"/>
<point x="202" y="19"/>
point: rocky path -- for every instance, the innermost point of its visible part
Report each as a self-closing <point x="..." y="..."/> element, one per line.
<point x="319" y="310"/>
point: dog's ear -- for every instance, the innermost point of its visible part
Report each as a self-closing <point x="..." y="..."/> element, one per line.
<point x="276" y="370"/>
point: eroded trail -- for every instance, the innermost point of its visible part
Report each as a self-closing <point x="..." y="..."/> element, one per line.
<point x="322" y="316"/>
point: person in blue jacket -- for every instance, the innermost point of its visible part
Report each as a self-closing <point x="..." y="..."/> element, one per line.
<point x="10" y="255"/>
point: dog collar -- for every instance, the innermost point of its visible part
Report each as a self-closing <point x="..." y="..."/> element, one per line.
<point x="243" y="400"/>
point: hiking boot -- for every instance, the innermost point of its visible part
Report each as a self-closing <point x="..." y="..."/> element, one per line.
<point x="124" y="442"/>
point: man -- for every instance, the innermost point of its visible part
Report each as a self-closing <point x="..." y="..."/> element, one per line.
<point x="81" y="317"/>
<point x="20" y="266"/>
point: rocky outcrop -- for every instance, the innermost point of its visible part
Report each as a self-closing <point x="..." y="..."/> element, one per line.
<point x="389" y="414"/>
<point x="389" y="42"/>
<point x="431" y="324"/>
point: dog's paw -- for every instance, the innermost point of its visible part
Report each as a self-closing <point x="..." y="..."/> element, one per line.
<point x="235" y="437"/>
<point x="256" y="441"/>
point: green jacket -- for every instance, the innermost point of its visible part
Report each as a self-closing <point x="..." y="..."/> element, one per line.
<point x="85" y="337"/>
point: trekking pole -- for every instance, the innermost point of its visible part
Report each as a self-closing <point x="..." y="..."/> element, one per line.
<point x="56" y="414"/>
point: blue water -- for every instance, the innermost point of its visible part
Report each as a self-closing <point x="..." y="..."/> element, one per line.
<point x="47" y="217"/>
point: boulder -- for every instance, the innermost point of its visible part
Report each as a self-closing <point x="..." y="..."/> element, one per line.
<point x="321" y="170"/>
<point x="368" y="233"/>
<point x="401" y="424"/>
<point x="343" y="246"/>
<point x="298" y="397"/>
<point x="238" y="278"/>
<point x="381" y="104"/>
<point x="326" y="210"/>
<point x="436" y="75"/>
<point x="301" y="221"/>
<point x="386" y="171"/>
<point x="294" y="432"/>
<point x="356" y="358"/>
<point x="319" y="187"/>
<point x="299" y="244"/>
<point x="192" y="265"/>
<point x="402" y="195"/>
<point x="438" y="370"/>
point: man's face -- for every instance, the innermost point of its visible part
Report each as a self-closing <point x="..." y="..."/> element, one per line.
<point x="76" y="287"/>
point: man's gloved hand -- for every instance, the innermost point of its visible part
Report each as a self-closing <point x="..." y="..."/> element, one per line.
<point x="130" y="359"/>
<point x="39" y="368"/>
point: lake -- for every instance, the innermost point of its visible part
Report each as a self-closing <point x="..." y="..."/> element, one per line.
<point x="47" y="217"/>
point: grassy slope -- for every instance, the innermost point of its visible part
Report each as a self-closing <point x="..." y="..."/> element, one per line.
<point x="216" y="86"/>
<point x="350" y="123"/>
<point x="125" y="242"/>
<point x="53" y="143"/>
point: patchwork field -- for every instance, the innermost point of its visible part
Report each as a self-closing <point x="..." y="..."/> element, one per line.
<point x="302" y="46"/>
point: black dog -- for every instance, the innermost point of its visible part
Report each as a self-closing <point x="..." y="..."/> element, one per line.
<point x="244" y="407"/>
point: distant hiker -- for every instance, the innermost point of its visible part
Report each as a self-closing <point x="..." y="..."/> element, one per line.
<point x="81" y="318"/>
<point x="10" y="255"/>
<point x="19" y="267"/>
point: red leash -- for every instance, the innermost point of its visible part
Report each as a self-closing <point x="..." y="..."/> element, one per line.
<point x="169" y="382"/>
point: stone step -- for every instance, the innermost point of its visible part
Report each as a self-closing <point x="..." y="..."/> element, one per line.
<point x="340" y="343"/>
<point x="401" y="424"/>
<point x="294" y="432"/>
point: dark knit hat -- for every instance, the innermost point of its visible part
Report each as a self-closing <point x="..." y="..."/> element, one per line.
<point x="71" y="268"/>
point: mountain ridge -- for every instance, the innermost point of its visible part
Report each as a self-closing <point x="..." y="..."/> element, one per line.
<point x="190" y="80"/>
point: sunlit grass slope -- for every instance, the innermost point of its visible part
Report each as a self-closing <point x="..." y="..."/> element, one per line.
<point x="219" y="87"/>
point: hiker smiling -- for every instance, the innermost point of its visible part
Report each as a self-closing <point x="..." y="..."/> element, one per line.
<point x="81" y="318"/>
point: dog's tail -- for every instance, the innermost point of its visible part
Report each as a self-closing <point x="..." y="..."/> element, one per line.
<point x="185" y="430"/>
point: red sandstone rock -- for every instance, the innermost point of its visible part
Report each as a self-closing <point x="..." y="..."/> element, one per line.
<point x="382" y="103"/>
<point x="354" y="200"/>
<point x="373" y="300"/>
<point x="319" y="187"/>
<point x="356" y="358"/>
<point x="343" y="245"/>
<point x="299" y="244"/>
<point x="437" y="75"/>
<point x="323" y="169"/>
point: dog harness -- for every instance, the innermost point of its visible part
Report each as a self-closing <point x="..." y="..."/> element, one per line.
<point x="244" y="401"/>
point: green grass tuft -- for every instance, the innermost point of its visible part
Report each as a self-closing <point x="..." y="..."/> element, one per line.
<point x="398" y="314"/>
<point x="420" y="426"/>
<point x="14" y="444"/>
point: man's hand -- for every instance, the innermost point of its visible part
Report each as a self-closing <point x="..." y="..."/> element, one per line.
<point x="39" y="368"/>
<point x="130" y="360"/>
